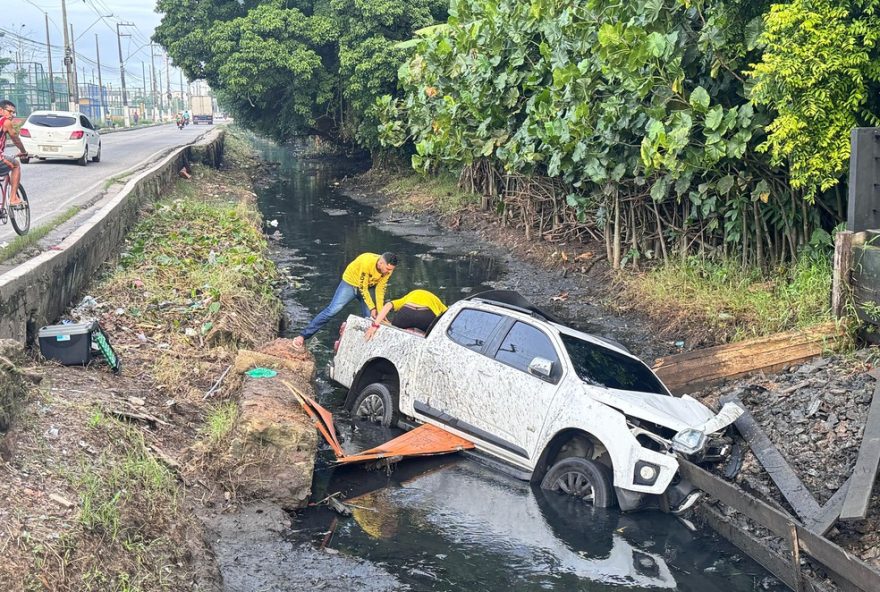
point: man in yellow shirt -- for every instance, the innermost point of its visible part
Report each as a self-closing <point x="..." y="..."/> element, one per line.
<point x="416" y="310"/>
<point x="368" y="270"/>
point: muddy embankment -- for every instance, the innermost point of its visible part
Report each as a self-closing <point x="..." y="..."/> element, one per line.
<point x="118" y="481"/>
<point x="815" y="413"/>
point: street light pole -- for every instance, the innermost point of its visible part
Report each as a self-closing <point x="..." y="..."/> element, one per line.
<point x="100" y="82"/>
<point x="119" y="36"/>
<point x="51" y="79"/>
<point x="168" y="83"/>
<point x="156" y="113"/>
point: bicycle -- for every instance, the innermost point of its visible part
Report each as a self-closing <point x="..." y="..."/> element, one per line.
<point x="19" y="214"/>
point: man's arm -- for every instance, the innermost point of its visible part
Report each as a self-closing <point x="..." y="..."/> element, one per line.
<point x="378" y="321"/>
<point x="365" y="292"/>
<point x="380" y="290"/>
<point x="13" y="135"/>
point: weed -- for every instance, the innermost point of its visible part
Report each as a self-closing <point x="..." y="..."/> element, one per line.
<point x="96" y="419"/>
<point x="122" y="483"/>
<point x="416" y="193"/>
<point x="220" y="422"/>
<point x="732" y="302"/>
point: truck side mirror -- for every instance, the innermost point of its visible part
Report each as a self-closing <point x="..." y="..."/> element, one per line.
<point x="541" y="367"/>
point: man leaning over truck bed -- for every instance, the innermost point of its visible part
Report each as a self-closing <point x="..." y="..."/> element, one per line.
<point x="414" y="311"/>
<point x="368" y="270"/>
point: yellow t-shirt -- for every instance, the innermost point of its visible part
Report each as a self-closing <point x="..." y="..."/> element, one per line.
<point x="420" y="298"/>
<point x="362" y="274"/>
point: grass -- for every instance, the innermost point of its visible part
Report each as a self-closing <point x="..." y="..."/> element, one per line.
<point x="21" y="243"/>
<point x="124" y="485"/>
<point x="733" y="303"/>
<point x="116" y="179"/>
<point x="220" y="423"/>
<point x="417" y="193"/>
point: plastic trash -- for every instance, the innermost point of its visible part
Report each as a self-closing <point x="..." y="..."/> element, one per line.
<point x="261" y="373"/>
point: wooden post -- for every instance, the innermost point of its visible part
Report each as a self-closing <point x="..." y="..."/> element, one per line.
<point x="840" y="286"/>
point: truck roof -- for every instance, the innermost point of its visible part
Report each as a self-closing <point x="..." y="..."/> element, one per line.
<point x="513" y="300"/>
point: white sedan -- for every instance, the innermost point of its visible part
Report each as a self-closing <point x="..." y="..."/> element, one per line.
<point x="61" y="134"/>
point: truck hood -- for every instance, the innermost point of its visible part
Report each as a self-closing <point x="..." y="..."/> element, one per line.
<point x="675" y="413"/>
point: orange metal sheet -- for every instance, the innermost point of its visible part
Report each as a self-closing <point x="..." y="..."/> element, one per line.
<point x="322" y="419"/>
<point x="424" y="440"/>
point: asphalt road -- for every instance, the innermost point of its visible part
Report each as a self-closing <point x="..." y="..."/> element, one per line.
<point x="55" y="185"/>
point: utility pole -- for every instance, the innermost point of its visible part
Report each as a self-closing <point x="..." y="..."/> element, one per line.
<point x="73" y="66"/>
<point x="100" y="82"/>
<point x="168" y="82"/>
<point x="161" y="92"/>
<point x="51" y="78"/>
<point x="119" y="37"/>
<point x="68" y="59"/>
<point x="153" y="81"/>
<point x="182" y="96"/>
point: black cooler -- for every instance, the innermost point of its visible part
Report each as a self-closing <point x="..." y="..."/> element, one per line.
<point x="76" y="344"/>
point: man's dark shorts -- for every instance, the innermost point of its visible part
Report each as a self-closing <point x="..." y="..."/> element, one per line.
<point x="4" y="169"/>
<point x="414" y="318"/>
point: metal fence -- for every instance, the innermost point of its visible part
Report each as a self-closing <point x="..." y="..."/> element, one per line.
<point x="29" y="86"/>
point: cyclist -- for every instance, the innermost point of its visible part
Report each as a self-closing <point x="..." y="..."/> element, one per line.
<point x="10" y="167"/>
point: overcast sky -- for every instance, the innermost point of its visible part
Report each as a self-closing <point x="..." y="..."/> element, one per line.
<point x="26" y="18"/>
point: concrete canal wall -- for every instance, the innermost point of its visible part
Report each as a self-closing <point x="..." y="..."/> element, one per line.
<point x="35" y="293"/>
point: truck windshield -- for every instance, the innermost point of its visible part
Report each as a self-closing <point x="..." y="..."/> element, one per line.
<point x="603" y="367"/>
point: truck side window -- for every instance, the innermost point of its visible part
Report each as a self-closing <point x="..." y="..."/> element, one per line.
<point x="523" y="344"/>
<point x="472" y="328"/>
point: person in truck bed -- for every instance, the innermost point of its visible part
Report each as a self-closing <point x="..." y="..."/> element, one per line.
<point x="413" y="311"/>
<point x="368" y="270"/>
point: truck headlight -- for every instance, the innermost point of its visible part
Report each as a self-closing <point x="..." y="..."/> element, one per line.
<point x="689" y="441"/>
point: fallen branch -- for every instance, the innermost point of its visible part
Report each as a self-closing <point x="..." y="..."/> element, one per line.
<point x="137" y="416"/>
<point x="216" y="385"/>
<point x="165" y="457"/>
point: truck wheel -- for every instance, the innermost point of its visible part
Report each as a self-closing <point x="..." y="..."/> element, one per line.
<point x="376" y="404"/>
<point x="582" y="478"/>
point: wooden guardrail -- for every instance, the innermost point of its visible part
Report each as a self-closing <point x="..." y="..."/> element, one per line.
<point x="693" y="370"/>
<point x="851" y="572"/>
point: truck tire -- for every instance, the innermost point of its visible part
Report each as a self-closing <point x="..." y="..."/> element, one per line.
<point x="582" y="478"/>
<point x="377" y="404"/>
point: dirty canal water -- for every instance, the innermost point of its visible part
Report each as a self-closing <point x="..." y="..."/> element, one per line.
<point x="447" y="523"/>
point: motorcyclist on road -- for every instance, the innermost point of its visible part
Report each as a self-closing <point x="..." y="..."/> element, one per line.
<point x="180" y="121"/>
<point x="10" y="166"/>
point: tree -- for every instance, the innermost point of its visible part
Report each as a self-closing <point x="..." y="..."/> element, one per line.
<point x="295" y="67"/>
<point x="820" y="73"/>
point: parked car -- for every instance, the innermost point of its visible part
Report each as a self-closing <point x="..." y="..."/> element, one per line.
<point x="61" y="134"/>
<point x="574" y="412"/>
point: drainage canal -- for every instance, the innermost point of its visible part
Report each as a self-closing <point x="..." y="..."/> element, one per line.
<point x="450" y="523"/>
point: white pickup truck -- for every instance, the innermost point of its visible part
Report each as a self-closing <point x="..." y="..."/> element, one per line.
<point x="572" y="411"/>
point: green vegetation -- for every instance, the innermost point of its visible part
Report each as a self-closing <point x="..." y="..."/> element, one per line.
<point x="730" y="303"/>
<point x="220" y="422"/>
<point x="670" y="127"/>
<point x="124" y="486"/>
<point x="34" y="235"/>
<point x="440" y="193"/>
